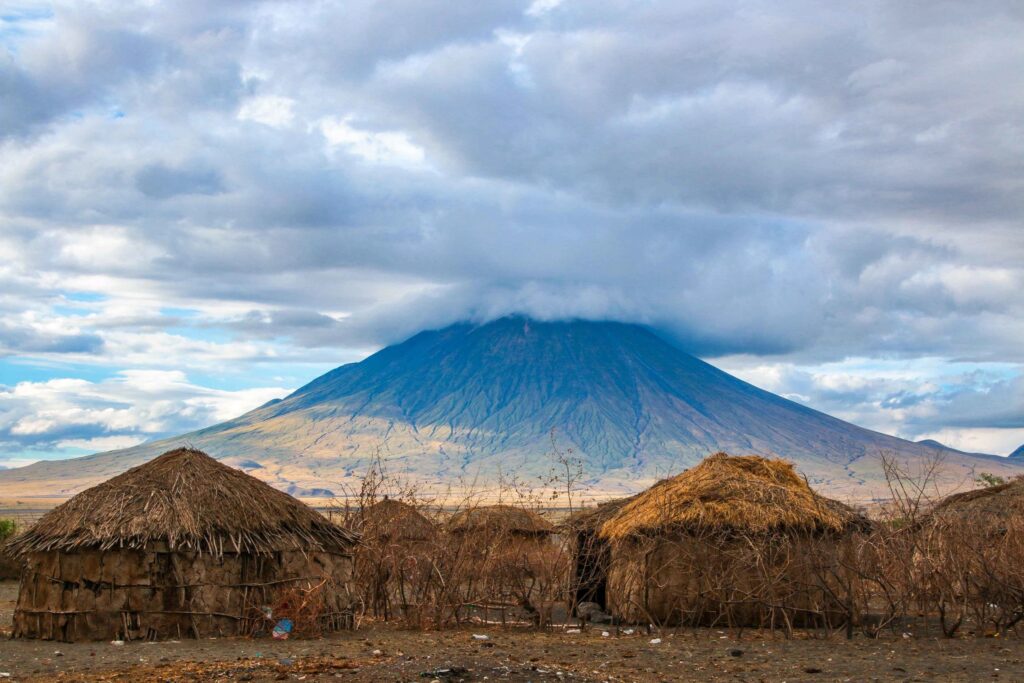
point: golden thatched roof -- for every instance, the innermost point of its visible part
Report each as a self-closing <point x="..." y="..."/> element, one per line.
<point x="500" y="518"/>
<point x="189" y="501"/>
<point x="395" y="520"/>
<point x="731" y="493"/>
<point x="592" y="519"/>
<point x="984" y="505"/>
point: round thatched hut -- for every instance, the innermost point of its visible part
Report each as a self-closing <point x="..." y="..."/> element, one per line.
<point x="733" y="541"/>
<point x="180" y="546"/>
<point x="509" y="520"/>
<point x="994" y="507"/>
<point x="508" y="558"/>
<point x="389" y="520"/>
<point x="970" y="556"/>
<point x="396" y="549"/>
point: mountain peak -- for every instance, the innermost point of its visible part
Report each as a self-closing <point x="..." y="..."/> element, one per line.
<point x="482" y="402"/>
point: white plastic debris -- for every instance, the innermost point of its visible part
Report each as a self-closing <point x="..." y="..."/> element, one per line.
<point x="573" y="630"/>
<point x="655" y="641"/>
<point x="117" y="642"/>
<point x="629" y="631"/>
<point x="605" y="634"/>
<point x="477" y="636"/>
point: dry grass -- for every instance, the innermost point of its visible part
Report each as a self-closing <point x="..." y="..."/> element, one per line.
<point x="748" y="493"/>
<point x="189" y="501"/>
<point x="503" y="519"/>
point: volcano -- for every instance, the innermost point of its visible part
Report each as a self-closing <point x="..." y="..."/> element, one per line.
<point x="473" y="404"/>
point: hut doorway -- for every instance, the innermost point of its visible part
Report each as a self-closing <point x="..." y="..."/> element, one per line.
<point x="591" y="569"/>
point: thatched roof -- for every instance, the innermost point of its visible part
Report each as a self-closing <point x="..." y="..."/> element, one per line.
<point x="592" y="519"/>
<point x="500" y="518"/>
<point x="731" y="493"/>
<point x="189" y="501"/>
<point x="994" y="503"/>
<point x="392" y="519"/>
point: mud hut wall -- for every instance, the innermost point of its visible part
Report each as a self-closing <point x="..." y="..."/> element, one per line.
<point x="699" y="581"/>
<point x="92" y="595"/>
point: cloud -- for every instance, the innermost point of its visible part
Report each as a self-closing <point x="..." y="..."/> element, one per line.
<point x="75" y="415"/>
<point x="251" y="185"/>
<point x="160" y="182"/>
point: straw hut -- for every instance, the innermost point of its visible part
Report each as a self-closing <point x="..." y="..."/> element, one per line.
<point x="738" y="541"/>
<point x="507" y="557"/>
<point x="396" y="548"/>
<point x="180" y="546"/>
<point x="994" y="508"/>
<point x="393" y="521"/>
<point x="491" y="520"/>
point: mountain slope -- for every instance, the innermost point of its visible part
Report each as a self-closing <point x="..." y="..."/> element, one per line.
<point x="477" y="401"/>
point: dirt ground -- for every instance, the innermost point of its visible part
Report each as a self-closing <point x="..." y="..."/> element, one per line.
<point x="381" y="653"/>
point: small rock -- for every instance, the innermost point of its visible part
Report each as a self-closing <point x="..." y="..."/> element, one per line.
<point x="655" y="641"/>
<point x="605" y="634"/>
<point x="58" y="653"/>
<point x="377" y="653"/>
<point x="118" y="643"/>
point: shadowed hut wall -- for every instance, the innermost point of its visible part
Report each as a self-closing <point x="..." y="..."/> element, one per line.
<point x="93" y="595"/>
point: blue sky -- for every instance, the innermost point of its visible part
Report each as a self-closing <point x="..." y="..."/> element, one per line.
<point x="203" y="206"/>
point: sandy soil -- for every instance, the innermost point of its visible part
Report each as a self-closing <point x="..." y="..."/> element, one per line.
<point x="380" y="653"/>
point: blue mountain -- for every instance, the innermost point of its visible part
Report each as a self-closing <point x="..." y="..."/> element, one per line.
<point x="470" y="404"/>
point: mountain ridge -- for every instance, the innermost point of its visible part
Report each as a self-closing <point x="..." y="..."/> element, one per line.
<point x="480" y="402"/>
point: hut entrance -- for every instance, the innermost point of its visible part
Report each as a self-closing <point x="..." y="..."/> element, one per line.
<point x="591" y="569"/>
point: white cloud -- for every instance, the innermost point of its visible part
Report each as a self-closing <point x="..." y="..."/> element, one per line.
<point x="133" y="406"/>
<point x="270" y="110"/>
<point x="384" y="147"/>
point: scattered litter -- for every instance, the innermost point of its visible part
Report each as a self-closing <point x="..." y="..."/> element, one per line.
<point x="605" y="634"/>
<point x="117" y="642"/>
<point x="477" y="636"/>
<point x="573" y="630"/>
<point x="377" y="653"/>
<point x="58" y="653"/>
<point x="629" y="631"/>
<point x="437" y="674"/>
<point x="655" y="641"/>
<point x="4" y="674"/>
<point x="282" y="629"/>
<point x="907" y="635"/>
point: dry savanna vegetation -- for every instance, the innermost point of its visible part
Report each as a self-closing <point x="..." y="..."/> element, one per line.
<point x="737" y="545"/>
<point x="734" y="543"/>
